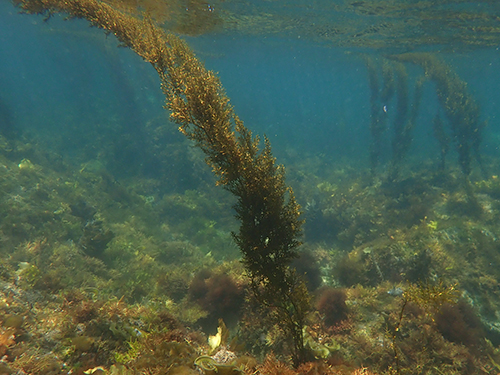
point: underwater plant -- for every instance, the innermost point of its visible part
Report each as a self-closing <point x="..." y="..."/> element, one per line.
<point x="387" y="79"/>
<point x="426" y="296"/>
<point x="459" y="323"/>
<point x="219" y="295"/>
<point x="405" y="120"/>
<point x="459" y="106"/>
<point x="331" y="304"/>
<point x="442" y="138"/>
<point x="380" y="95"/>
<point x="269" y="215"/>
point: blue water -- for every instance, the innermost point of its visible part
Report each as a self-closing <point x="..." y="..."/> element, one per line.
<point x="60" y="80"/>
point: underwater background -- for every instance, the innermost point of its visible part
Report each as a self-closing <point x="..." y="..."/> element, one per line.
<point x="117" y="252"/>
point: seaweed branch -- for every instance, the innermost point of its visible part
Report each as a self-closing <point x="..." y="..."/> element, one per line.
<point x="461" y="110"/>
<point x="269" y="215"/>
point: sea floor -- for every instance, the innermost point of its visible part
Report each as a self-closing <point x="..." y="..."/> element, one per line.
<point x="107" y="275"/>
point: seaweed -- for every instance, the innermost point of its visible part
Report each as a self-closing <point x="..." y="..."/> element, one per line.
<point x="429" y="297"/>
<point x="443" y="139"/>
<point x="219" y="295"/>
<point x="387" y="79"/>
<point x="461" y="110"/>
<point x="331" y="304"/>
<point x="380" y="95"/>
<point x="405" y="119"/>
<point x="266" y="207"/>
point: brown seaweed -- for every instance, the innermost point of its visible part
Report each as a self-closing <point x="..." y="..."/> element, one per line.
<point x="266" y="207"/>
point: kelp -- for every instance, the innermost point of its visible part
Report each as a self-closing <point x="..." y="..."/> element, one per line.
<point x="269" y="215"/>
<point x="459" y="106"/>
<point x="389" y="78"/>
<point x="381" y="92"/>
<point x="405" y="120"/>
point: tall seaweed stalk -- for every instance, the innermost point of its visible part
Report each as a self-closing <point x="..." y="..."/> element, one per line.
<point x="269" y="215"/>
<point x="459" y="106"/>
